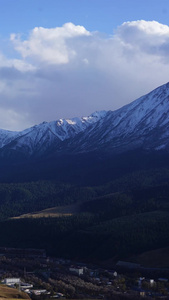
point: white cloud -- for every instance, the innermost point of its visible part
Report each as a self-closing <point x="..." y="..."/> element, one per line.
<point x="49" y="45"/>
<point x="150" y="28"/>
<point x="147" y="37"/>
<point x="68" y="71"/>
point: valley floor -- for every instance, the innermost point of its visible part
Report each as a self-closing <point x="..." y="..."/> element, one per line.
<point x="60" y="278"/>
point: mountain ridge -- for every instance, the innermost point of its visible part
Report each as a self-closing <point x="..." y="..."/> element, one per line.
<point x="143" y="123"/>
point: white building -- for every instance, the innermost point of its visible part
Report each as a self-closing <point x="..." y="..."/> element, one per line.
<point x="39" y="292"/>
<point x="25" y="285"/>
<point x="78" y="271"/>
<point x="12" y="281"/>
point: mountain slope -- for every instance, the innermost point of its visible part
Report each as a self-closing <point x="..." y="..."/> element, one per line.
<point x="143" y="123"/>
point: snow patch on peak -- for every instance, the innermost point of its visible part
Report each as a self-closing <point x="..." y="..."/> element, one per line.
<point x="96" y="116"/>
<point x="71" y="122"/>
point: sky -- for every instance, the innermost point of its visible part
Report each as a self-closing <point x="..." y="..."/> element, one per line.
<point x="70" y="58"/>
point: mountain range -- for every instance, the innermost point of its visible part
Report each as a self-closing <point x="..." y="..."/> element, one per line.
<point x="144" y="123"/>
<point x="93" y="149"/>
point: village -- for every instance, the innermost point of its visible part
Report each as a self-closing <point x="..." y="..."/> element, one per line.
<point x="42" y="277"/>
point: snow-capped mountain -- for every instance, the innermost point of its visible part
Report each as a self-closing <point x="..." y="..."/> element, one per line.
<point x="39" y="138"/>
<point x="144" y="123"/>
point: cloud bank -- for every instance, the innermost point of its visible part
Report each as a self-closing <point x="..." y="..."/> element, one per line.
<point x="68" y="71"/>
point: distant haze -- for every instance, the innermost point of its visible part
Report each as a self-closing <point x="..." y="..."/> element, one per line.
<point x="69" y="71"/>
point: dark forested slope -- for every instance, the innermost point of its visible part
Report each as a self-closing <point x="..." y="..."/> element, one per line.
<point x="125" y="216"/>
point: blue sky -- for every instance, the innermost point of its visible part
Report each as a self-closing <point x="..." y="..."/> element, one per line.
<point x="94" y="15"/>
<point x="66" y="58"/>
